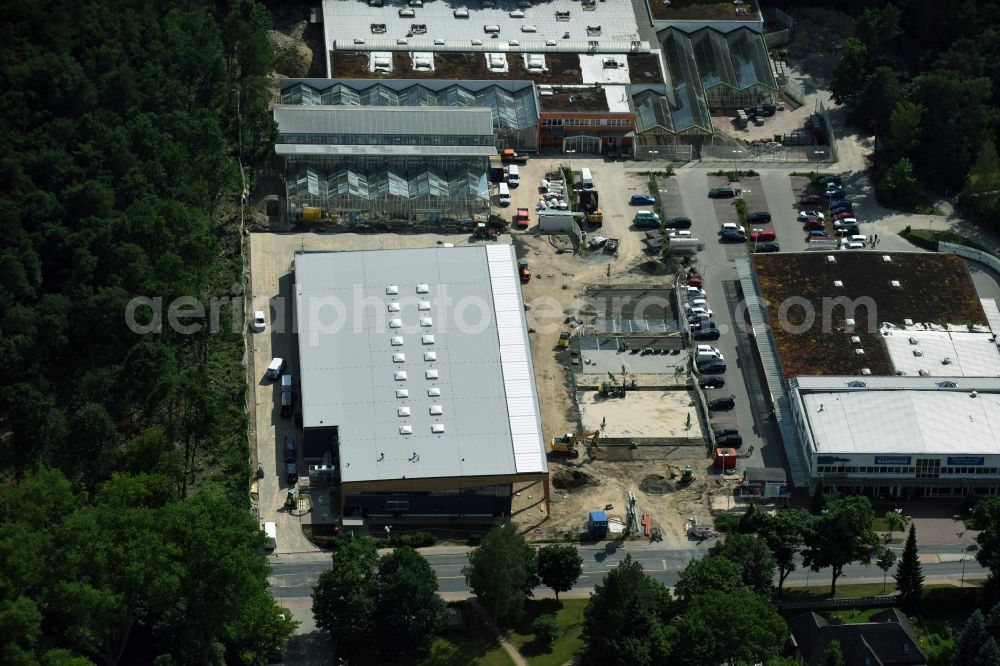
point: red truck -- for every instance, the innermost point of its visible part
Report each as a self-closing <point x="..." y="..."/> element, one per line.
<point x="521" y="219"/>
<point x="510" y="156"/>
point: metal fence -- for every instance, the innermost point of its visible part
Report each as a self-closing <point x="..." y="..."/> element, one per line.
<point x="821" y="603"/>
<point x="794" y="90"/>
<point x="777" y="38"/>
<point x="672" y="153"/>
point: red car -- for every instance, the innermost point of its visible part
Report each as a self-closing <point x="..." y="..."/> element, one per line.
<point x="763" y="235"/>
<point x="814" y="224"/>
<point x="812" y="199"/>
<point x="840" y="216"/>
<point x="521" y="220"/>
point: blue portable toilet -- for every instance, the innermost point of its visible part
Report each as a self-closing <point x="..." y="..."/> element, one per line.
<point x="597" y="525"/>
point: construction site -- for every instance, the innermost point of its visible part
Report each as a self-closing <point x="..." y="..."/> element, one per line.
<point x="615" y="392"/>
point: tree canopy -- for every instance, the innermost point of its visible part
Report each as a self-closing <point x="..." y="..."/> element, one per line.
<point x="840" y="536"/>
<point x="559" y="567"/>
<point x="784" y="533"/>
<point x="754" y="558"/>
<point x="720" y="627"/>
<point x="502" y="572"/>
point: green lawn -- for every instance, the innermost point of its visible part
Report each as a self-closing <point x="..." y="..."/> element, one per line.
<point x="928" y="238"/>
<point x="569" y="615"/>
<point x="819" y="587"/>
<point x="465" y="645"/>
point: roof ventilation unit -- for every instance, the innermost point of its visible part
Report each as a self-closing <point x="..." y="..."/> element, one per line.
<point x="886" y="259"/>
<point x="907" y="322"/>
<point x="393" y="307"/>
<point x="923" y="373"/>
<point x="396" y="340"/>
<point x="562" y="16"/>
<point x="461" y="13"/>
<point x="528" y="28"/>
<point x="517" y="13"/>
<point x="838" y="283"/>
<point x="439" y="42"/>
<point x="946" y="361"/>
<point x="402" y="393"/>
<point x="866" y="371"/>
<point x="433" y="392"/>
<point x="430" y="356"/>
<point x="973" y="395"/>
<point x="895" y="284"/>
<point x="437" y="428"/>
<point x="436" y="410"/>
<point x="395" y="323"/>
<point x="855" y="339"/>
<point x="859" y="352"/>
<point x="426" y="321"/>
<point x="830" y="259"/>
<point x="427" y="339"/>
<point x="550" y="42"/>
<point x="401" y="41"/>
<point x="423" y="305"/>
<point x="918" y="352"/>
<point x="406" y="13"/>
<point x="848" y="322"/>
<point x="405" y="430"/>
<point x="477" y="42"/>
<point x="423" y="288"/>
<point x="403" y="411"/>
<point x="392" y="289"/>
<point x="399" y="358"/>
<point x="431" y="374"/>
<point x="400" y="375"/>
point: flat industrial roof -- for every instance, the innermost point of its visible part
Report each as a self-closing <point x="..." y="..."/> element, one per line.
<point x="385" y="120"/>
<point x="454" y="327"/>
<point x="304" y="149"/>
<point x="537" y="27"/>
<point x="939" y="353"/>
<point x="912" y="422"/>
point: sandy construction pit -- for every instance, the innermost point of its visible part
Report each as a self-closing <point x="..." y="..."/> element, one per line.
<point x="641" y="414"/>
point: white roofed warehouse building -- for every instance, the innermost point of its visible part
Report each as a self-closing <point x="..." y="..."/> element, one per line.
<point x="417" y="384"/>
<point x="883" y="370"/>
<point x="386" y="167"/>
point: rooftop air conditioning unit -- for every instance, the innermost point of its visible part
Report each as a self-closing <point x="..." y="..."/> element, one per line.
<point x="461" y="13"/>
<point x="859" y="352"/>
<point x="406" y="13"/>
<point x="517" y="13"/>
<point x="838" y="283"/>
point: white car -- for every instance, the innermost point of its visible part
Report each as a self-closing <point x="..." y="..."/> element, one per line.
<point x="699" y="311"/>
<point x="852" y="245"/>
<point x="806" y="214"/>
<point x="259" y="321"/>
<point x="733" y="226"/>
<point x="695" y="292"/>
<point x="708" y="349"/>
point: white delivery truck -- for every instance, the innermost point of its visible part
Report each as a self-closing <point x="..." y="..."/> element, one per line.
<point x="270" y="536"/>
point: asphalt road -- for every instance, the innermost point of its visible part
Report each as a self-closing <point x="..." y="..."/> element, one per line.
<point x="293" y="578"/>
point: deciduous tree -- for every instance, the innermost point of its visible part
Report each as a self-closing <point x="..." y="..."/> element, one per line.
<point x="502" y="572"/>
<point x="345" y="595"/>
<point x="841" y="536"/>
<point x="784" y="533"/>
<point x="754" y="558"/>
<point x="720" y="627"/>
<point x="408" y="610"/>
<point x="712" y="572"/>
<point x="559" y="567"/>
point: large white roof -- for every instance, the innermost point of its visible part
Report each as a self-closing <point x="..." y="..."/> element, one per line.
<point x="942" y="353"/>
<point x="912" y="422"/>
<point x="536" y="27"/>
<point x="420" y="358"/>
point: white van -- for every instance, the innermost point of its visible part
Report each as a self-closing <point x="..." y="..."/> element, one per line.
<point x="504" y="194"/>
<point x="275" y="367"/>
<point x="586" y="180"/>
<point x="513" y="175"/>
<point x="270" y="536"/>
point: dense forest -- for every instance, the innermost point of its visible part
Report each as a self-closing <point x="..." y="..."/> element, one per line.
<point x="123" y="471"/>
<point x="923" y="75"/>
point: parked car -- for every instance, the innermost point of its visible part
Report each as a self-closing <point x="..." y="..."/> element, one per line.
<point x="706" y="333"/>
<point x="259" y="321"/>
<point x="806" y="214"/>
<point x="642" y="200"/>
<point x="846" y="244"/>
<point x="645" y="219"/>
<point x="679" y="233"/>
<point x="289" y="450"/>
<point x="698" y="310"/>
<point x="826" y="180"/>
<point x="836" y="192"/>
<point x="722" y="192"/>
<point x="814" y="224"/>
<point x="849" y="230"/>
<point x="596" y="242"/>
<point x="712" y="382"/>
<point x="612" y="245"/>
<point x="762" y="235"/>
<point x="722" y="432"/>
<point x="758" y="217"/>
<point x="678" y="223"/>
<point x="732" y="236"/>
<point x="840" y="203"/>
<point x="291" y="473"/>
<point x="713" y="367"/>
<point x="722" y="404"/>
<point x="817" y="233"/>
<point x="767" y="247"/>
<point x="695" y="292"/>
<point x="842" y="215"/>
<point x="731" y="439"/>
<point x="812" y="199"/>
<point x="733" y="226"/>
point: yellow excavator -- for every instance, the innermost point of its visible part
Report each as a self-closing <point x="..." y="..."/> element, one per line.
<point x="564" y="340"/>
<point x="686" y="475"/>
<point x="567" y="443"/>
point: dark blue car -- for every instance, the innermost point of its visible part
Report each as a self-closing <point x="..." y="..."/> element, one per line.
<point x="836" y="192"/>
<point x="642" y="199"/>
<point x="840" y="203"/>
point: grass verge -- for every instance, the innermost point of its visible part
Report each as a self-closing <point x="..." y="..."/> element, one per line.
<point x="928" y="238"/>
<point x="569" y="615"/>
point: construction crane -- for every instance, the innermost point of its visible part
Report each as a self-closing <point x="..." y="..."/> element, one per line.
<point x="567" y="443"/>
<point x="686" y="475"/>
